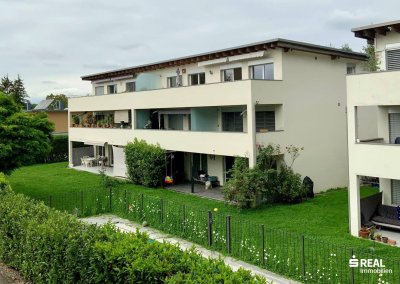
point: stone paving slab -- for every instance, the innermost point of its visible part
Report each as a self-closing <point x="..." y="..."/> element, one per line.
<point x="127" y="226"/>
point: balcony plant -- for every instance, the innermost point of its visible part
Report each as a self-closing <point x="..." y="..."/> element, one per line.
<point x="75" y="119"/>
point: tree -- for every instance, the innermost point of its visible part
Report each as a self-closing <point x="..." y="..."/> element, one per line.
<point x="346" y="47"/>
<point x="372" y="63"/>
<point x="25" y="137"/>
<point x="14" y="89"/>
<point x="60" y="98"/>
<point x="6" y="85"/>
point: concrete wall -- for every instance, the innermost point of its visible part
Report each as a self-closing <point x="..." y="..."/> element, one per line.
<point x="313" y="116"/>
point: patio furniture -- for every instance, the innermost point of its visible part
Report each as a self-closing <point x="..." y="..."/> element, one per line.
<point x="387" y="216"/>
<point x="373" y="212"/>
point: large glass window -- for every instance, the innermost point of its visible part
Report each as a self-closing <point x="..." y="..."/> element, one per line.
<point x="232" y="121"/>
<point x="197" y="79"/>
<point x="232" y="74"/>
<point x="262" y="71"/>
<point x="112" y="89"/>
<point x="130" y="87"/>
<point x="265" y="121"/>
<point x="173" y="81"/>
<point x="98" y="91"/>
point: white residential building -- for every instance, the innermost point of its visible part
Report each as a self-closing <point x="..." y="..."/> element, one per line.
<point x="375" y="153"/>
<point x="210" y="107"/>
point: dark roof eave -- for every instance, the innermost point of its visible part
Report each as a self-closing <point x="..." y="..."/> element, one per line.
<point x="265" y="45"/>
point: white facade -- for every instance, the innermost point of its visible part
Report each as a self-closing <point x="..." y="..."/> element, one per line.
<point x="303" y="104"/>
<point x="375" y="155"/>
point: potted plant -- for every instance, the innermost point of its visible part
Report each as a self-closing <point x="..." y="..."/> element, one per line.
<point x="75" y="119"/>
<point x="378" y="237"/>
<point x="364" y="233"/>
<point x="384" y="240"/>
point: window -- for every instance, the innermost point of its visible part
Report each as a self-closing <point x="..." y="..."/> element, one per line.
<point x="112" y="89"/>
<point x="232" y="121"/>
<point x="197" y="79"/>
<point x="233" y="74"/>
<point x="173" y="82"/>
<point x="393" y="59"/>
<point x="130" y="87"/>
<point x="98" y="91"/>
<point x="265" y="120"/>
<point x="351" y="68"/>
<point x="262" y="71"/>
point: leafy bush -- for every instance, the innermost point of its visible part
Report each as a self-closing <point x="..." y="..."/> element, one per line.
<point x="48" y="246"/>
<point x="59" y="149"/>
<point x="267" y="182"/>
<point x="4" y="184"/>
<point x="145" y="163"/>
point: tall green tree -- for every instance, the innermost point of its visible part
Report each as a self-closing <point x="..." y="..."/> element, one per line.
<point x="346" y="47"/>
<point x="372" y="64"/>
<point x="6" y="85"/>
<point x="14" y="89"/>
<point x="60" y="98"/>
<point x="24" y="137"/>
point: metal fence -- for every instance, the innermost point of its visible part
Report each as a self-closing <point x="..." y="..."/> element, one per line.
<point x="300" y="257"/>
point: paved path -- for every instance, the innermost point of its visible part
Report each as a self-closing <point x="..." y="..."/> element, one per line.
<point x="4" y="280"/>
<point x="128" y="226"/>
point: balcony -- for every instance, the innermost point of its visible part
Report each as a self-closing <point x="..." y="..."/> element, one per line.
<point x="380" y="160"/>
<point x="216" y="94"/>
<point x="187" y="141"/>
<point x="379" y="88"/>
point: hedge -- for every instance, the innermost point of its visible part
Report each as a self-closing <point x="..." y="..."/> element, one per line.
<point x="145" y="163"/>
<point x="49" y="246"/>
<point x="59" y="149"/>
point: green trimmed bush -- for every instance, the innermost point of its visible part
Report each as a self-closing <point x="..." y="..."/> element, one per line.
<point x="49" y="246"/>
<point x="4" y="184"/>
<point x="145" y="163"/>
<point x="59" y="149"/>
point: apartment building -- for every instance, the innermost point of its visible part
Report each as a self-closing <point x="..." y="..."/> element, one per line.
<point x="375" y="154"/>
<point x="205" y="109"/>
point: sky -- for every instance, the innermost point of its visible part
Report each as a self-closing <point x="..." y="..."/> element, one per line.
<point x="52" y="43"/>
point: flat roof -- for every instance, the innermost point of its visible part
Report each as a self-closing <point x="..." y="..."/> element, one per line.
<point x="285" y="44"/>
<point x="369" y="32"/>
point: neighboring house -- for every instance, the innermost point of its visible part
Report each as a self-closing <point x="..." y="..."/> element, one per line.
<point x="209" y="108"/>
<point x="56" y="113"/>
<point x="376" y="155"/>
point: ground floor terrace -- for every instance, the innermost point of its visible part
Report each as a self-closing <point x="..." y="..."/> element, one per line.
<point x="378" y="213"/>
<point x="188" y="172"/>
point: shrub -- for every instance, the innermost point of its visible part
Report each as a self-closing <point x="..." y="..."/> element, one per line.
<point x="246" y="185"/>
<point x="59" y="149"/>
<point x="266" y="182"/>
<point x="48" y="246"/>
<point x="145" y="163"/>
<point x="4" y="184"/>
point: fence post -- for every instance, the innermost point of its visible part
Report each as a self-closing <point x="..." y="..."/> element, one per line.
<point x="161" y="210"/>
<point x="110" y="205"/>
<point x="303" y="257"/>
<point x="352" y="268"/>
<point x="125" y="203"/>
<point x="263" y="244"/>
<point x="228" y="235"/>
<point x="210" y="221"/>
<point x="141" y="206"/>
<point x="184" y="218"/>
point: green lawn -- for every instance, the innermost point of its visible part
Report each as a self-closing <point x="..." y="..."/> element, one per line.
<point x="325" y="216"/>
